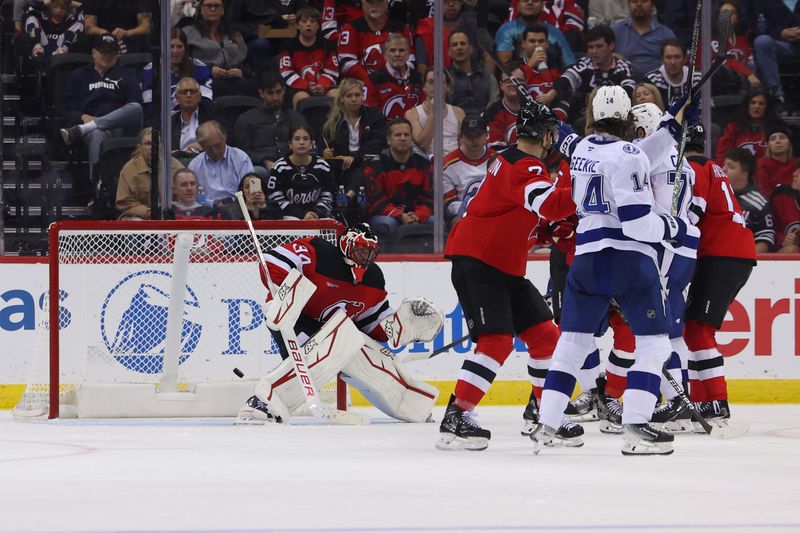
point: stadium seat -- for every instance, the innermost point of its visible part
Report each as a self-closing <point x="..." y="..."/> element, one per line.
<point x="136" y="61"/>
<point x="413" y="239"/>
<point x="315" y="109"/>
<point x="114" y="153"/>
<point x="228" y="108"/>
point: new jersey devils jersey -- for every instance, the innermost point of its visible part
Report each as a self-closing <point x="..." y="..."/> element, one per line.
<point x="302" y="64"/>
<point x="321" y="262"/>
<point x="499" y="226"/>
<point x="392" y="93"/>
<point x="337" y="13"/>
<point x="722" y="226"/>
<point x="539" y="82"/>
<point x="502" y="125"/>
<point x="361" y="49"/>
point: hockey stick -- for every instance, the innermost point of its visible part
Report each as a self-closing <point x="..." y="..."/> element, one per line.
<point x="426" y="356"/>
<point x="717" y="432"/>
<point x="292" y="347"/>
<point x="521" y="89"/>
<point x="678" y="185"/>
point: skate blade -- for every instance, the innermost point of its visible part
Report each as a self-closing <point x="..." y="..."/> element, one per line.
<point x="558" y="442"/>
<point x="251" y="422"/>
<point x="675" y="426"/>
<point x="610" y="428"/>
<point x="528" y="428"/>
<point x="450" y="442"/>
<point x="591" y="416"/>
<point x="647" y="448"/>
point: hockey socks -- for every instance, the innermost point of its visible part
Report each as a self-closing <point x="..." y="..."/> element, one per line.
<point x="621" y="357"/>
<point x="480" y="369"/>
<point x="541" y="341"/>
<point x="644" y="378"/>
<point x="569" y="356"/>
<point x="706" y="365"/>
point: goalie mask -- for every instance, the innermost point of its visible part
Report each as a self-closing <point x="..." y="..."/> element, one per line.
<point x="359" y="246"/>
<point x="535" y="120"/>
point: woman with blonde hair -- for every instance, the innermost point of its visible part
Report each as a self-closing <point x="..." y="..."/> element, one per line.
<point x="648" y="93"/>
<point x="352" y="132"/>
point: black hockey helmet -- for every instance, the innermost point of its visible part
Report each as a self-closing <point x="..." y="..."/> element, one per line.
<point x="696" y="136"/>
<point x="359" y="246"/>
<point x="535" y="119"/>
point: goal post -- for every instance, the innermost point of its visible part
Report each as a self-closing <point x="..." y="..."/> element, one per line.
<point x="147" y="318"/>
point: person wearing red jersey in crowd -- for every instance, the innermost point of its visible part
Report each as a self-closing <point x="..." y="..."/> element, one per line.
<point x="348" y="314"/>
<point x="184" y="199"/>
<point x="456" y="17"/>
<point x="779" y="163"/>
<point x="360" y="42"/>
<point x="502" y="114"/>
<point x="740" y="63"/>
<point x="465" y="167"/>
<point x="565" y="15"/>
<point x="539" y="74"/>
<point x="337" y="13"/>
<point x="395" y="87"/>
<point x="422" y="123"/>
<point x="786" y="208"/>
<point x="399" y="183"/>
<point x="749" y="126"/>
<point x="309" y="63"/>
<point x="488" y="248"/>
<point x="725" y="259"/>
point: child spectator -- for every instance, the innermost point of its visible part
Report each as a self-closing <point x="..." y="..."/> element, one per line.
<point x="51" y="32"/>
<point x="740" y="166"/>
<point x="253" y="186"/>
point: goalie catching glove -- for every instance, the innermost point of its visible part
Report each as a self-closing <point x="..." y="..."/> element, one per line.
<point x="416" y="320"/>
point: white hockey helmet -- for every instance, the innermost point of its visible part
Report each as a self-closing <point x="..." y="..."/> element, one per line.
<point x="646" y="116"/>
<point x="611" y="101"/>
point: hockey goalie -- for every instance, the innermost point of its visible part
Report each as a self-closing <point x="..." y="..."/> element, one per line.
<point x="335" y="298"/>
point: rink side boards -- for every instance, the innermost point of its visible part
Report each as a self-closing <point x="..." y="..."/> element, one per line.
<point x="760" y="338"/>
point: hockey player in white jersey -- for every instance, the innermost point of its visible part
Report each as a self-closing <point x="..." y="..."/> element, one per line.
<point x="614" y="258"/>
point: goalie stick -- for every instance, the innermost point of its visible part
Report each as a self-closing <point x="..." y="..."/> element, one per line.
<point x="717" y="432"/>
<point x="291" y="346"/>
<point x="426" y="356"/>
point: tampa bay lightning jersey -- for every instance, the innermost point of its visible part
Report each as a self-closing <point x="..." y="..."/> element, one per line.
<point x="613" y="197"/>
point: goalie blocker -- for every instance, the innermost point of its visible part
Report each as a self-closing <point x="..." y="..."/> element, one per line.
<point x="347" y="340"/>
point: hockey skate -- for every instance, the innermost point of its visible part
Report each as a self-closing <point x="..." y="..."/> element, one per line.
<point x="673" y="416"/>
<point x="567" y="435"/>
<point x="530" y="416"/>
<point x="609" y="412"/>
<point x="460" y="431"/>
<point x="717" y="413"/>
<point x="256" y="413"/>
<point x="581" y="409"/>
<point x="644" y="439"/>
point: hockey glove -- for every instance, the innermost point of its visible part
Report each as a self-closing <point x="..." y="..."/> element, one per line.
<point x="674" y="230"/>
<point x="669" y="120"/>
<point x="567" y="139"/>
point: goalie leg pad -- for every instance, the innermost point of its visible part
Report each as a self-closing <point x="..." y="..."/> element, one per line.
<point x="388" y="386"/>
<point x="326" y="353"/>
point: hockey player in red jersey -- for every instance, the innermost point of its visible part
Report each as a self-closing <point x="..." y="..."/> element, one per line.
<point x="725" y="259"/>
<point x="489" y="249"/>
<point x="347" y="281"/>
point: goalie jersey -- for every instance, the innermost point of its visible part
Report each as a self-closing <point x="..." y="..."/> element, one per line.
<point x="321" y="262"/>
<point x="613" y="197"/>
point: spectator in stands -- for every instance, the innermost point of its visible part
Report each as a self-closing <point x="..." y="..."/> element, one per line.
<point x="748" y="127"/>
<point x="301" y="183"/>
<point x="182" y="65"/>
<point x="127" y="20"/>
<point x="337" y="13"/>
<point x="399" y="183"/>
<point x="639" y="37"/>
<point x="456" y="17"/>
<point x="192" y="111"/>
<point x="20" y="10"/>
<point x="539" y="74"/>
<point x="565" y="15"/>
<point x="647" y="92"/>
<point x="672" y="77"/>
<point x="252" y="186"/>
<point x="502" y="114"/>
<point x="465" y="167"/>
<point x="133" y="188"/>
<point x="509" y="36"/>
<point x="606" y="12"/>
<point x="352" y="132"/>
<point x="779" y="163"/>
<point x="214" y="41"/>
<point x="395" y="87"/>
<point x="184" y="199"/>
<point x="308" y="63"/>
<point x="738" y="71"/>
<point x="50" y="32"/>
<point x="739" y="166"/>
<point x="786" y="208"/>
<point x="473" y="87"/>
<point x="263" y="132"/>
<point x="422" y="124"/>
<point x="360" y="42"/>
<point x="598" y="67"/>
<point x="248" y="15"/>
<point x="781" y="42"/>
<point x="102" y="100"/>
<point x="220" y="167"/>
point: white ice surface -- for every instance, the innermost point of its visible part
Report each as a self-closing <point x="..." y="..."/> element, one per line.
<point x="210" y="476"/>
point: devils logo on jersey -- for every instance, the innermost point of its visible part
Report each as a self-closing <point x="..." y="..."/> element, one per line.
<point x="351" y="309"/>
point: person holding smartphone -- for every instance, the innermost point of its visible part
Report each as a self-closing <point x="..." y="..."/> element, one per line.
<point x="252" y="187"/>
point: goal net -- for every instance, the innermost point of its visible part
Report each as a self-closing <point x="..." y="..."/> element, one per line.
<point x="139" y="310"/>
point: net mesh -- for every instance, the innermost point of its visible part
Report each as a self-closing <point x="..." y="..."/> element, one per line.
<point x="114" y="292"/>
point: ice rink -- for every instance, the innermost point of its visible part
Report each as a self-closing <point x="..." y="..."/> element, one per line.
<point x="209" y="476"/>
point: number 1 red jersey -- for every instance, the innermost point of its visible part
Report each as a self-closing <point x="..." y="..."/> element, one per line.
<point x="722" y="226"/>
<point x="499" y="225"/>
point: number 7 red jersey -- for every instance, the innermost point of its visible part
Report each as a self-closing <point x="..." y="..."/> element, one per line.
<point x="722" y="226"/>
